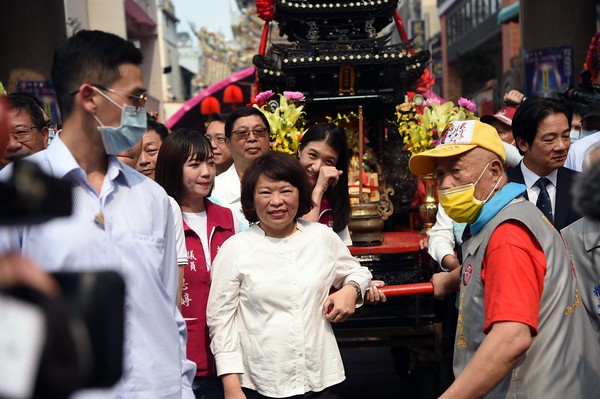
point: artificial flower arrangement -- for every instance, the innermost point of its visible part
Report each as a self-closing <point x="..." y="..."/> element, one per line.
<point x="421" y="131"/>
<point x="285" y="118"/>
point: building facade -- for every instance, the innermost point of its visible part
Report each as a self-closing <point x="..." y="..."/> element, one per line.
<point x="29" y="51"/>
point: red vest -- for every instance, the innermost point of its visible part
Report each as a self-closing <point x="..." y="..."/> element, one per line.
<point x="196" y="284"/>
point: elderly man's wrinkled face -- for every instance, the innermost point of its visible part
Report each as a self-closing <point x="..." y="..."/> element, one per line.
<point x="466" y="168"/>
<point x="25" y="138"/>
<point x="550" y="146"/>
<point x="249" y="139"/>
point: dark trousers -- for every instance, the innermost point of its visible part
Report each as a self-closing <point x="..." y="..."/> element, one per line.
<point x="209" y="387"/>
<point x="327" y="393"/>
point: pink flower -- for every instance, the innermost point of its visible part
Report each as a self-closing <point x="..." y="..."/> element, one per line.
<point x="293" y="95"/>
<point x="466" y="103"/>
<point x="263" y="96"/>
<point x="431" y="101"/>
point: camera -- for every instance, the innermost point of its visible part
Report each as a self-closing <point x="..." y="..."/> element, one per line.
<point x="51" y="347"/>
<point x="586" y="93"/>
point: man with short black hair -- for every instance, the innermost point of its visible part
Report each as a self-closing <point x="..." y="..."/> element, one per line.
<point x="215" y="133"/>
<point x="247" y="136"/>
<point x="541" y="128"/>
<point x="121" y="220"/>
<point x="27" y="127"/>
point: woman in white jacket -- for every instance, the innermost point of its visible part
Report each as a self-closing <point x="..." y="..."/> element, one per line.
<point x="269" y="308"/>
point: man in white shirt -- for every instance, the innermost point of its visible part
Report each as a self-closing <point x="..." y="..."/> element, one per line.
<point x="247" y="131"/>
<point x="590" y="126"/>
<point x="121" y="220"/>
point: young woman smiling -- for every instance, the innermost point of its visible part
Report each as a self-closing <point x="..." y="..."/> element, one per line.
<point x="186" y="169"/>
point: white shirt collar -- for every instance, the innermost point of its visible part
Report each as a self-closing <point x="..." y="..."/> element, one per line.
<point x="530" y="177"/>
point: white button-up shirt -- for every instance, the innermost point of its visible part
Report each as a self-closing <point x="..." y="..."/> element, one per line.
<point x="128" y="228"/>
<point x="265" y="309"/>
<point x="577" y="151"/>
<point x="227" y="192"/>
<point x="533" y="191"/>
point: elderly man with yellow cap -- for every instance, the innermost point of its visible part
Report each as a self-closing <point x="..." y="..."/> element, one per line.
<point x="522" y="330"/>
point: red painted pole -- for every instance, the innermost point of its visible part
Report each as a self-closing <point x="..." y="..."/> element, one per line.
<point x="401" y="29"/>
<point x="407" y="289"/>
<point x="263" y="39"/>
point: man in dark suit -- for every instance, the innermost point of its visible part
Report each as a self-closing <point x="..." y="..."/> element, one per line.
<point x="541" y="128"/>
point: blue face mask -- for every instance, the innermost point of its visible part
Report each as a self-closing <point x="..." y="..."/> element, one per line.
<point x="128" y="133"/>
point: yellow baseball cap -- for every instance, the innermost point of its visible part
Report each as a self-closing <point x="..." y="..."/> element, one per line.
<point x="458" y="137"/>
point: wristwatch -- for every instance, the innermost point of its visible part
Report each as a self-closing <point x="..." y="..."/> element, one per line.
<point x="357" y="288"/>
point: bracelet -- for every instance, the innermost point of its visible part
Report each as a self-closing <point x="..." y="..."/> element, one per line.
<point x="357" y="288"/>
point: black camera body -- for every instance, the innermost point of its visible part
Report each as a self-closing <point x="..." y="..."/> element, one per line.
<point x="586" y="93"/>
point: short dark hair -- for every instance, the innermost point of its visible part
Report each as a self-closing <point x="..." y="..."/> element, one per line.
<point x="157" y="127"/>
<point x="242" y="112"/>
<point x="176" y="149"/>
<point x="92" y="57"/>
<point x="576" y="108"/>
<point x="29" y="104"/>
<point x="217" y="117"/>
<point x="277" y="166"/>
<point x="338" y="196"/>
<point x="532" y="112"/>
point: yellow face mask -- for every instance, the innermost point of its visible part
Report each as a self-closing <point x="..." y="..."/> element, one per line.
<point x="460" y="203"/>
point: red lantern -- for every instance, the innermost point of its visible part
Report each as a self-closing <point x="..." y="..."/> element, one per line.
<point x="209" y="105"/>
<point x="233" y="95"/>
<point x="265" y="9"/>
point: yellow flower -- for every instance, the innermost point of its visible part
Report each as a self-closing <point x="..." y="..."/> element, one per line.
<point x="286" y="123"/>
<point x="421" y="132"/>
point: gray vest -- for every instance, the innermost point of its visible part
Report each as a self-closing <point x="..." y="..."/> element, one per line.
<point x="564" y="357"/>
<point x="583" y="242"/>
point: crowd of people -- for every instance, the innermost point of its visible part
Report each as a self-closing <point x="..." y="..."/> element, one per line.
<point x="169" y="238"/>
<point x="235" y="257"/>
<point x="525" y="273"/>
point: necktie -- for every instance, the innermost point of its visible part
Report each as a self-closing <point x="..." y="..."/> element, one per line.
<point x="543" y="201"/>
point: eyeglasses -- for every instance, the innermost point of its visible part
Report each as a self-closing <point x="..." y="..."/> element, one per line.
<point x="258" y="132"/>
<point x="216" y="139"/>
<point x="139" y="100"/>
<point x="24" y="133"/>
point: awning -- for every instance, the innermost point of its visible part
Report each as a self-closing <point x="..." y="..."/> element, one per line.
<point x="509" y="14"/>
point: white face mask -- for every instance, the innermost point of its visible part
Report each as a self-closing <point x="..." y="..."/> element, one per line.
<point x="128" y="133"/>
<point x="574" y="135"/>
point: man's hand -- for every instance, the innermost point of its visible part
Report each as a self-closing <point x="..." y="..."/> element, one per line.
<point x="374" y="295"/>
<point x="341" y="304"/>
<point x="424" y="243"/>
<point x="514" y="97"/>
<point x="445" y="283"/>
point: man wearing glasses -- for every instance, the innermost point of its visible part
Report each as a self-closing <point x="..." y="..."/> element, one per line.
<point x="247" y="136"/>
<point x="121" y="220"/>
<point x="215" y="133"/>
<point x="28" y="132"/>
